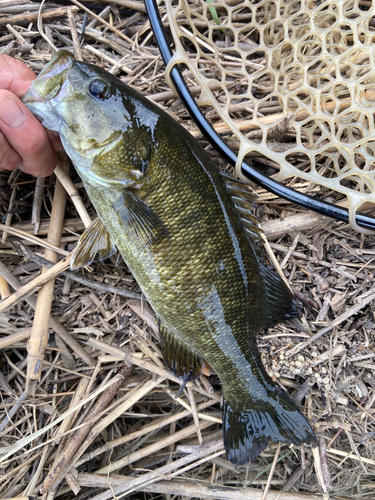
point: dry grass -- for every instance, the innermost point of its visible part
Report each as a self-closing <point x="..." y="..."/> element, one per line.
<point x="101" y="419"/>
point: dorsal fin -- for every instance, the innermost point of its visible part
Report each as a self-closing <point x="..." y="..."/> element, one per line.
<point x="95" y="239"/>
<point x="244" y="202"/>
<point x="279" y="303"/>
<point x="180" y="358"/>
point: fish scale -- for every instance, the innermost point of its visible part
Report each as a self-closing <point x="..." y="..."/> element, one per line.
<point x="187" y="234"/>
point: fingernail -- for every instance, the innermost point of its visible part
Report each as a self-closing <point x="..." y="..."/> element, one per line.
<point x="10" y="113"/>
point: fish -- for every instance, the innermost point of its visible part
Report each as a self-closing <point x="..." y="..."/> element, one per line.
<point x="188" y="235"/>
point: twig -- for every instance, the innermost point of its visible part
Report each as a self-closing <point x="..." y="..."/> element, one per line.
<point x="80" y="279"/>
<point x="205" y="452"/>
<point x="324" y="462"/>
<point x="4" y="288"/>
<point x="273" y="259"/>
<point x="54" y="324"/>
<point x="319" y="472"/>
<point x="63" y="461"/>
<point x="33" y="239"/>
<point x="79" y="393"/>
<point x="37" y="203"/>
<point x="297" y="222"/>
<point x="32" y="17"/>
<point x="272" y="470"/>
<point x="40" y="28"/>
<point x="347" y="314"/>
<point x="39" y="336"/>
<point x="352" y="456"/>
<point x="9" y="216"/>
<point x="13" y="411"/>
<point x="192" y="489"/>
<point x="15" y="337"/>
<point x="73" y="193"/>
<point x="76" y="44"/>
<point x="20" y="443"/>
<point x="195" y="414"/>
<point x="289" y="252"/>
<point x="295" y="476"/>
<point x="146" y="429"/>
<point x="40" y="280"/>
<point x="129" y="4"/>
<point x="130" y="400"/>
<point x="112" y="28"/>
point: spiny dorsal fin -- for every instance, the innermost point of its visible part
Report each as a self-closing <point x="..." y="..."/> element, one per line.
<point x="180" y="358"/>
<point x="95" y="239"/>
<point x="139" y="219"/>
<point x="244" y="203"/>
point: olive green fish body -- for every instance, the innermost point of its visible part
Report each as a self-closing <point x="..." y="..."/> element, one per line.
<point x="183" y="235"/>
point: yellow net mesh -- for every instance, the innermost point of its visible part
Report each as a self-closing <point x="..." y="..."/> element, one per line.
<point x="293" y="81"/>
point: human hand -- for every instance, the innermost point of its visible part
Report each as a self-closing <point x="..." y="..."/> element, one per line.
<point x="24" y="142"/>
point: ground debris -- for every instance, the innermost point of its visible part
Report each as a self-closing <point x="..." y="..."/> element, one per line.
<point x="100" y="323"/>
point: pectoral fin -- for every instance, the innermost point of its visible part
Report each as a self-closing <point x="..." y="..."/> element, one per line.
<point x="180" y="358"/>
<point x="139" y="220"/>
<point x="94" y="240"/>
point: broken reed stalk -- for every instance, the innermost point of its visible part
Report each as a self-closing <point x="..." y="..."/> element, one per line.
<point x="80" y="393"/>
<point x="63" y="461"/>
<point x="15" y="337"/>
<point x="8" y="219"/>
<point x="72" y="191"/>
<point x="369" y="297"/>
<point x="8" y="451"/>
<point x="4" y="288"/>
<point x="146" y="429"/>
<point x="39" y="336"/>
<point x="40" y="280"/>
<point x="191" y="489"/>
<point x="129" y="400"/>
<point x="80" y="279"/>
<point x="37" y="203"/>
<point x="203" y="454"/>
<point x="32" y="17"/>
<point x="76" y="44"/>
<point x="54" y="324"/>
<point x="34" y="240"/>
<point x="271" y="473"/>
<point x="102" y="21"/>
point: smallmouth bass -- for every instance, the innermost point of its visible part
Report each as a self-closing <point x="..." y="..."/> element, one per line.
<point x="188" y="236"/>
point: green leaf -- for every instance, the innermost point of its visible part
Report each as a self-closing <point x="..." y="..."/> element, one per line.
<point x="214" y="15"/>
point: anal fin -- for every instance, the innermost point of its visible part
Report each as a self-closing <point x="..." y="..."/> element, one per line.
<point x="94" y="240"/>
<point x="181" y="359"/>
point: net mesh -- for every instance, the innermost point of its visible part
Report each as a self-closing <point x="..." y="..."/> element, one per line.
<point x="292" y="81"/>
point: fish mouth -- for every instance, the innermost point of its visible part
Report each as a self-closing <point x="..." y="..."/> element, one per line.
<point x="52" y="84"/>
<point x="51" y="78"/>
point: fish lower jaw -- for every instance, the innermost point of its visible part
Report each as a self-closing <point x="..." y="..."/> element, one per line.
<point x="100" y="182"/>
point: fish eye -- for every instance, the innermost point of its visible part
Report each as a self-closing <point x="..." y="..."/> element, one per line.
<point x="99" y="90"/>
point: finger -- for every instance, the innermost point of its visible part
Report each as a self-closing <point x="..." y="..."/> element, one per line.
<point x="9" y="159"/>
<point x="54" y="139"/>
<point x="15" y="75"/>
<point x="26" y="136"/>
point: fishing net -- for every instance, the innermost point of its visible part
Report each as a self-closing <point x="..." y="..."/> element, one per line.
<point x="292" y="82"/>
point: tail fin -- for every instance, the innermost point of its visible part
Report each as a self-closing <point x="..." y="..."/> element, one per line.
<point x="249" y="426"/>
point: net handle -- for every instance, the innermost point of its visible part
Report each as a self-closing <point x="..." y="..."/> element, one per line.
<point x="207" y="130"/>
